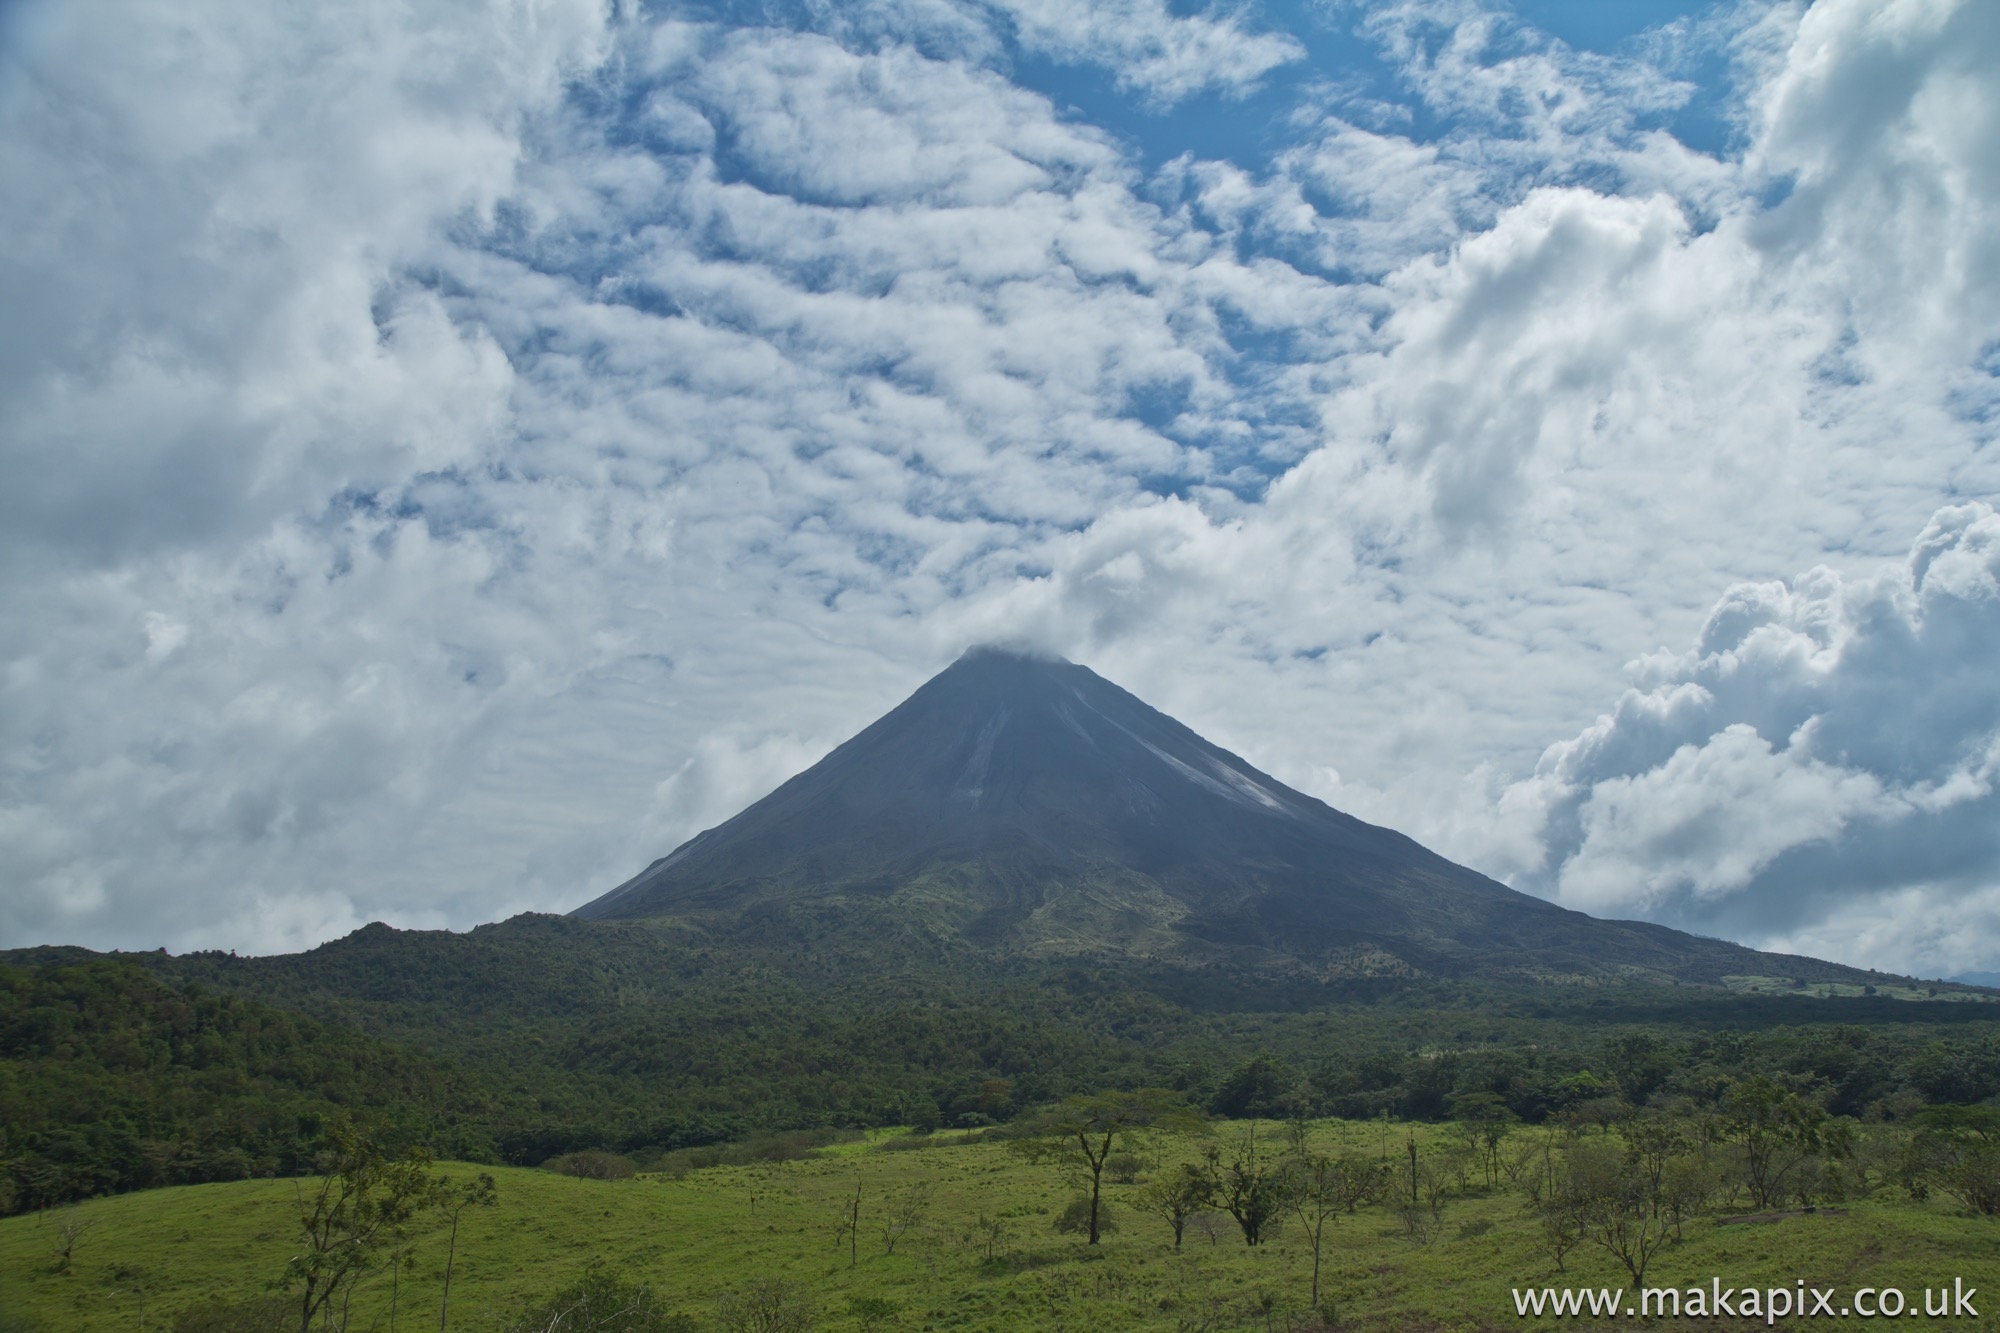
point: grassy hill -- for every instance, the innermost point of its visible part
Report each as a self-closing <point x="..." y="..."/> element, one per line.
<point x="982" y="1254"/>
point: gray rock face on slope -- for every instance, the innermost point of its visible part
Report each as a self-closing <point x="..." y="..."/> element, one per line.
<point x="1022" y="804"/>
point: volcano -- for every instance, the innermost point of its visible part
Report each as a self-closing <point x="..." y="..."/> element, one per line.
<point x="1023" y="804"/>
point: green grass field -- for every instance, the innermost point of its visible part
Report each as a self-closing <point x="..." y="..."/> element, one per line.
<point x="984" y="1257"/>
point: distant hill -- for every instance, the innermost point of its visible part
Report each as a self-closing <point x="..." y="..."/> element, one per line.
<point x="1025" y="805"/>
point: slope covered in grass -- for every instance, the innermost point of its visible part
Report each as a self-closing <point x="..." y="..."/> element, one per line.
<point x="982" y="1252"/>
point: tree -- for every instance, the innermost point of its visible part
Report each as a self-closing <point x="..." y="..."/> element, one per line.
<point x="850" y="1226"/>
<point x="906" y="1210"/>
<point x="1260" y="1086"/>
<point x="1558" y="1216"/>
<point x="363" y="1201"/>
<point x="1617" y="1204"/>
<point x="1320" y="1188"/>
<point x="1779" y="1131"/>
<point x="71" y="1229"/>
<point x="454" y="1199"/>
<point x="1485" y="1121"/>
<point x="1175" y="1196"/>
<point x="1956" y="1149"/>
<point x="1252" y="1190"/>
<point x="1081" y="1133"/>
<point x="1422" y="1213"/>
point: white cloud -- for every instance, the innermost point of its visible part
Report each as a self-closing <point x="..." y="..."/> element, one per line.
<point x="455" y="453"/>
<point x="1826" y="745"/>
<point x="208" y="203"/>
<point x="1152" y="50"/>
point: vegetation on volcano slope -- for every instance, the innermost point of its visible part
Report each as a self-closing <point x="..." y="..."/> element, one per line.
<point x="960" y="1232"/>
<point x="521" y="1042"/>
<point x="113" y="1079"/>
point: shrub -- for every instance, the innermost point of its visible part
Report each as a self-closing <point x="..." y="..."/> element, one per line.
<point x="784" y="1146"/>
<point x="1074" y="1219"/>
<point x="263" y="1314"/>
<point x="873" y="1311"/>
<point x="1123" y="1168"/>
<point x="602" y="1302"/>
<point x="592" y="1165"/>
<point x="768" y="1305"/>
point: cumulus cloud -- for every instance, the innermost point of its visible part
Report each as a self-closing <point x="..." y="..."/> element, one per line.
<point x="1828" y="746"/>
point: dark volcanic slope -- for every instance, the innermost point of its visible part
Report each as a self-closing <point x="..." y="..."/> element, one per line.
<point x="1028" y="804"/>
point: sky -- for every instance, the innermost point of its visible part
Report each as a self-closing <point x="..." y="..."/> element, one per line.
<point x="452" y="451"/>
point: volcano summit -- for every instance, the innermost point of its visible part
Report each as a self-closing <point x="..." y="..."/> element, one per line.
<point x="1023" y="804"/>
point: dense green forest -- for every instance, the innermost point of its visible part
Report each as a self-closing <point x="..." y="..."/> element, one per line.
<point x="112" y="1078"/>
<point x="541" y="1036"/>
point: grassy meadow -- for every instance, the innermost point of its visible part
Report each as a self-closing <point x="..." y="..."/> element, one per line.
<point x="981" y="1251"/>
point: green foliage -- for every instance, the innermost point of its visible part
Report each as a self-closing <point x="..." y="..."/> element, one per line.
<point x="1082" y="1134"/>
<point x="113" y="1079"/>
<point x="602" y="1302"/>
<point x="1250" y="1186"/>
<point x="1956" y="1149"/>
<point x="362" y="1203"/>
<point x="592" y="1165"/>
<point x="543" y="1037"/>
<point x="259" y="1314"/>
<point x="1780" y="1131"/>
<point x="695" y="1238"/>
<point x="1079" y="1217"/>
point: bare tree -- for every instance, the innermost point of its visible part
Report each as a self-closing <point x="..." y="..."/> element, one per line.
<point x="1558" y="1210"/>
<point x="400" y="1259"/>
<point x="600" y="1301"/>
<point x="906" y="1211"/>
<point x="1320" y="1188"/>
<point x="768" y="1305"/>
<point x="850" y="1226"/>
<point x="71" y="1227"/>
<point x="1423" y="1219"/>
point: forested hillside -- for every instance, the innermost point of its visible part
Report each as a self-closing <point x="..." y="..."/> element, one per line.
<point x="540" y="1036"/>
<point x="114" y="1078"/>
